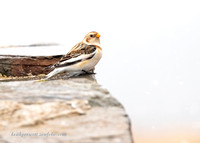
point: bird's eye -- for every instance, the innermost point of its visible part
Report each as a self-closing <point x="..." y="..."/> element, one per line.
<point x="91" y="35"/>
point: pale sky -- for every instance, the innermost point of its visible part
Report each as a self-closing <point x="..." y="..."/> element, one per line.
<point x="139" y="23"/>
<point x="151" y="50"/>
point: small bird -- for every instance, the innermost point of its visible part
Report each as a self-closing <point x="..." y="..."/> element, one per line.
<point x="82" y="58"/>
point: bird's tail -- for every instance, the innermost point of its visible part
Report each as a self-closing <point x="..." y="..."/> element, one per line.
<point x="51" y="74"/>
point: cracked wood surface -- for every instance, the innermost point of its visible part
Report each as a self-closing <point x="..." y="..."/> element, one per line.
<point x="75" y="110"/>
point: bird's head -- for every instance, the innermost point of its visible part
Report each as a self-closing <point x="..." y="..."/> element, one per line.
<point x="92" y="38"/>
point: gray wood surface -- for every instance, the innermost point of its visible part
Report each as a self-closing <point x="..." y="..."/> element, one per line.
<point x="75" y="110"/>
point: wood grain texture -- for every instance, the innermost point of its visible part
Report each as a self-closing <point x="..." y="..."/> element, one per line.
<point x="77" y="107"/>
<point x="23" y="65"/>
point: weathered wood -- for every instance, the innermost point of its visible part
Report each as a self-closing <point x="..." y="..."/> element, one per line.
<point x="24" y="65"/>
<point x="71" y="110"/>
<point x="75" y="110"/>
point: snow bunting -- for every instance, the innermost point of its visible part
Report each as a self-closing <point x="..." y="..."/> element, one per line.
<point x="82" y="58"/>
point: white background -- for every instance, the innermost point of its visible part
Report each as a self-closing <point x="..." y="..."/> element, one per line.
<point x="151" y="54"/>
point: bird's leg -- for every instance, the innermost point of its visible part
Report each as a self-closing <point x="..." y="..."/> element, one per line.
<point x="89" y="72"/>
<point x="92" y="71"/>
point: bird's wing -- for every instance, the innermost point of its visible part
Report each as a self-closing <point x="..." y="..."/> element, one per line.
<point x="77" y="54"/>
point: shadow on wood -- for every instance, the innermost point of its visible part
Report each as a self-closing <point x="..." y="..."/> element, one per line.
<point x="23" y="65"/>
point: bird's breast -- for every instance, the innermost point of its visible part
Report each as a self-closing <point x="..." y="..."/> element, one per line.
<point x="98" y="55"/>
<point x="91" y="63"/>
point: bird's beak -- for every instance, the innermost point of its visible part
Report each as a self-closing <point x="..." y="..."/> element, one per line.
<point x="98" y="35"/>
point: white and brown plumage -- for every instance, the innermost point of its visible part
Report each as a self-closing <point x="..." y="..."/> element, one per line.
<point x="83" y="57"/>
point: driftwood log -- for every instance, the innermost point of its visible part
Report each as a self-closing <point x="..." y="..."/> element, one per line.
<point x="23" y="65"/>
<point x="71" y="110"/>
<point x="75" y="110"/>
<point x="13" y="65"/>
